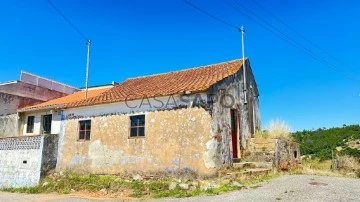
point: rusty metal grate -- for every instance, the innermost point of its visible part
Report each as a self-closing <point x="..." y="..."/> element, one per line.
<point x="318" y="184"/>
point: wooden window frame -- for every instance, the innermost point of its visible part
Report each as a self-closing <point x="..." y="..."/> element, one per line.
<point x="85" y="131"/>
<point x="28" y="128"/>
<point x="138" y="126"/>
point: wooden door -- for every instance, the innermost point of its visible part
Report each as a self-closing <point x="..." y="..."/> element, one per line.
<point x="234" y="132"/>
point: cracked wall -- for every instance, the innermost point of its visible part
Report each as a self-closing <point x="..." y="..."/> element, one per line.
<point x="249" y="115"/>
<point x="174" y="140"/>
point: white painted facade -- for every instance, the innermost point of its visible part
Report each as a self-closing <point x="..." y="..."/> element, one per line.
<point x="128" y="107"/>
<point x="136" y="106"/>
<point x="55" y="124"/>
<point x="19" y="166"/>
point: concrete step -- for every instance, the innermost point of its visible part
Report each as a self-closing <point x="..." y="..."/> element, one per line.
<point x="262" y="140"/>
<point x="262" y="147"/>
<point x="236" y="160"/>
<point x="250" y="172"/>
<point x="245" y="165"/>
<point x="261" y="156"/>
<point x="271" y="144"/>
<point x="257" y="171"/>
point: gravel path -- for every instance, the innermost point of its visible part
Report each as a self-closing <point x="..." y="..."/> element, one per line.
<point x="293" y="188"/>
<point x="287" y="188"/>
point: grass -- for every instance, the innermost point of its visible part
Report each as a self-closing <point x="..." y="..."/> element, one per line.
<point x="320" y="167"/>
<point x="70" y="182"/>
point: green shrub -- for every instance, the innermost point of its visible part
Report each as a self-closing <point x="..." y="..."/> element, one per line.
<point x="321" y="143"/>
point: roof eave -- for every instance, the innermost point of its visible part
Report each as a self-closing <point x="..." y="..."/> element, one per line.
<point x="40" y="108"/>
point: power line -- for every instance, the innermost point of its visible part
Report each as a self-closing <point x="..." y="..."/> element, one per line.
<point x="210" y="15"/>
<point x="67" y="20"/>
<point x="301" y="35"/>
<point x="288" y="39"/>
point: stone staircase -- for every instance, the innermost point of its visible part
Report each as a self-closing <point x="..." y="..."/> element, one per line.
<point x="260" y="160"/>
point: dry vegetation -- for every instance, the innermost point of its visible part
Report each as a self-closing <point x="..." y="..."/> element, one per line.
<point x="276" y="129"/>
<point x="341" y="166"/>
<point x="112" y="186"/>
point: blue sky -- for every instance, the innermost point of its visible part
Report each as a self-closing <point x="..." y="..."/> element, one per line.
<point x="140" y="37"/>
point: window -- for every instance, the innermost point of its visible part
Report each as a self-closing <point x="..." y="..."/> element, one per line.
<point x="137" y="126"/>
<point x="84" y="130"/>
<point x="47" y="124"/>
<point x="30" y="124"/>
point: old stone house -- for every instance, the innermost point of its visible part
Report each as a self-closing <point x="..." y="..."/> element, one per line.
<point x="196" y="119"/>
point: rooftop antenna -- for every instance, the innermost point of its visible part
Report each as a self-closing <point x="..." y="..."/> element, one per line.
<point x="242" y="30"/>
<point x="88" y="43"/>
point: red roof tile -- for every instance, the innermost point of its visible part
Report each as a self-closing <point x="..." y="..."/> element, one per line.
<point x="193" y="80"/>
<point x="75" y="97"/>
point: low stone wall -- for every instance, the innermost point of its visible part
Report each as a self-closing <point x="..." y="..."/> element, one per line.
<point x="283" y="153"/>
<point x="20" y="161"/>
<point x="24" y="158"/>
<point x="287" y="155"/>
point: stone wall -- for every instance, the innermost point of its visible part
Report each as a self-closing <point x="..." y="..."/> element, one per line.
<point x="287" y="155"/>
<point x="49" y="154"/>
<point x="20" y="161"/>
<point x="248" y="114"/>
<point x="174" y="140"/>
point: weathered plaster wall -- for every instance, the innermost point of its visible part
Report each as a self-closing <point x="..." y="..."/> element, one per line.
<point x="26" y="90"/>
<point x="174" y="139"/>
<point x="10" y="103"/>
<point x="232" y="88"/>
<point x="20" y="161"/>
<point x="8" y="125"/>
<point x="287" y="155"/>
<point x="49" y="153"/>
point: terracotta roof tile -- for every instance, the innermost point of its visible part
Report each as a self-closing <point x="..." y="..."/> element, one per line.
<point x="193" y="80"/>
<point x="75" y="97"/>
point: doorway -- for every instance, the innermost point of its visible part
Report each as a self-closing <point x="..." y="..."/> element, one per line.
<point x="235" y="133"/>
<point x="46" y="124"/>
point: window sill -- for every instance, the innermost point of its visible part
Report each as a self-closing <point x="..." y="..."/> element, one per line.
<point x="83" y="140"/>
<point x="137" y="137"/>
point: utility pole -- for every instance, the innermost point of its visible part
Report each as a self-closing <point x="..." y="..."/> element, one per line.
<point x="88" y="43"/>
<point x="242" y="30"/>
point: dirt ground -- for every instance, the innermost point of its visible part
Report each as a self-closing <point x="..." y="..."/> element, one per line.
<point x="286" y="188"/>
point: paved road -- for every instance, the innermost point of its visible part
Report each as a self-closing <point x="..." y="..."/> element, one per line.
<point x="287" y="188"/>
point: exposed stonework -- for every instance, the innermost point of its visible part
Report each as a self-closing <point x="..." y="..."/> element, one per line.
<point x="181" y="132"/>
<point x="287" y="155"/>
<point x="284" y="154"/>
<point x="230" y="95"/>
<point x="49" y="154"/>
<point x="174" y="140"/>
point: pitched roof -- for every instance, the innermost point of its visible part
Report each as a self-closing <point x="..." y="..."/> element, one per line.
<point x="193" y="80"/>
<point x="60" y="102"/>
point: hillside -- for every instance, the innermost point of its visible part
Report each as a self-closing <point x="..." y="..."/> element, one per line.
<point x="323" y="143"/>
